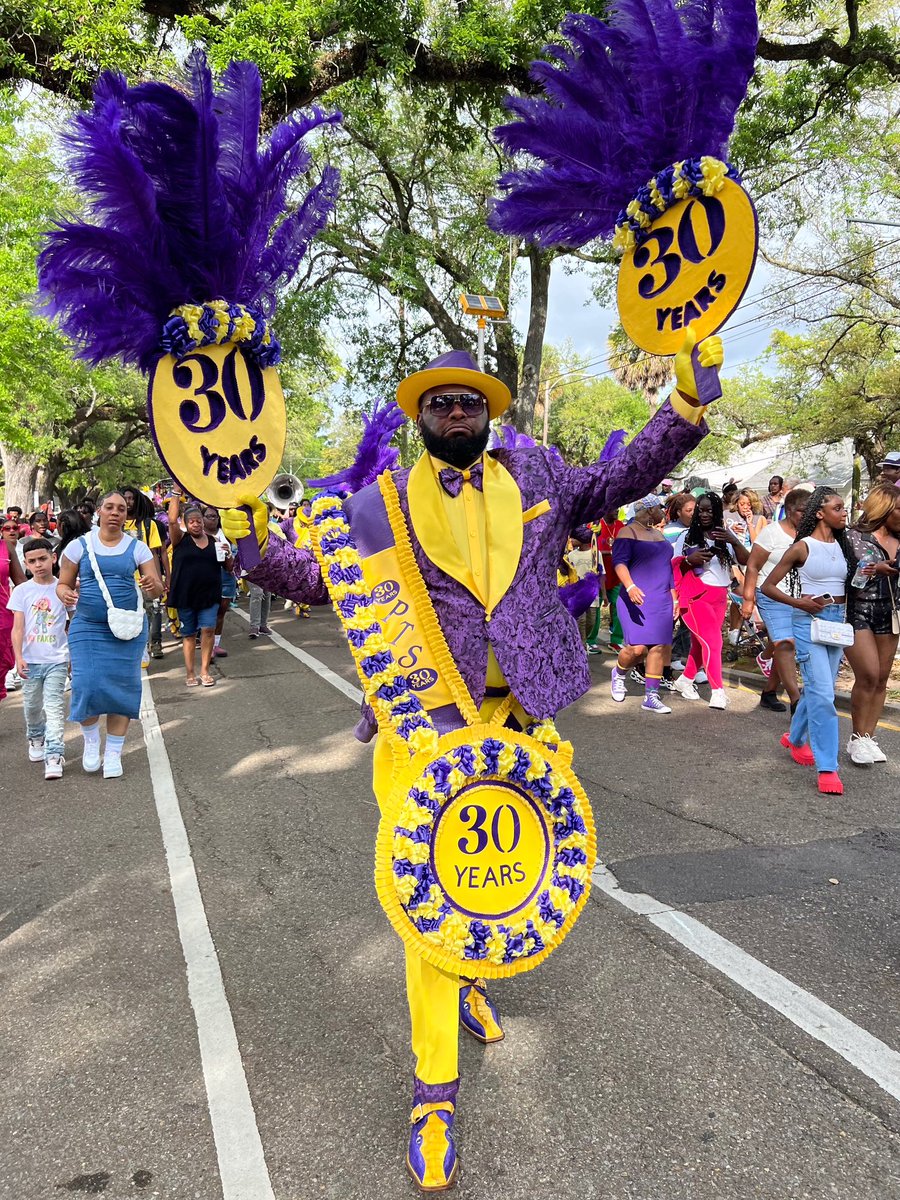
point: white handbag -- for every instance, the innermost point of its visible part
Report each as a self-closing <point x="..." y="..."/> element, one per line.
<point x="125" y="623"/>
<point x="831" y="633"/>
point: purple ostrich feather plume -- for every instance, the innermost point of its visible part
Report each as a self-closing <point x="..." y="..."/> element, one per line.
<point x="184" y="207"/>
<point x="507" y="437"/>
<point x="578" y="597"/>
<point x="613" y="445"/>
<point x="374" y="453"/>
<point x="657" y="82"/>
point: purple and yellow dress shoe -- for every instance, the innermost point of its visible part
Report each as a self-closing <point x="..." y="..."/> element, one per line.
<point x="431" y="1158"/>
<point x="477" y="1013"/>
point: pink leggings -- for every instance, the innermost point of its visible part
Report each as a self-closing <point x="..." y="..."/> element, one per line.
<point x="7" y="658"/>
<point x="704" y="616"/>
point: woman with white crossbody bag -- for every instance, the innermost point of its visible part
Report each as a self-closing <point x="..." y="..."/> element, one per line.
<point x="819" y="566"/>
<point x="872" y="610"/>
<point x="108" y="631"/>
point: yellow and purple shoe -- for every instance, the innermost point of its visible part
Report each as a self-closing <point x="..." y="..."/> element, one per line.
<point x="477" y="1012"/>
<point x="431" y="1159"/>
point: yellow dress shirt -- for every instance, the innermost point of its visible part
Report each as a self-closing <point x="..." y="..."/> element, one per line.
<point x="468" y="526"/>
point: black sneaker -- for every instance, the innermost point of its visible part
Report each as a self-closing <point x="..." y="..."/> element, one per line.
<point x="770" y="701"/>
<point x="794" y="704"/>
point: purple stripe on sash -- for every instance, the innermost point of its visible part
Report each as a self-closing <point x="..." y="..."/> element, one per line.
<point x="369" y="520"/>
<point x="447" y="718"/>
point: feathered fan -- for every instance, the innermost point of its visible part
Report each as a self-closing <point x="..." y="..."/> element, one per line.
<point x="374" y="453"/>
<point x="186" y="209"/>
<point x="659" y="81"/>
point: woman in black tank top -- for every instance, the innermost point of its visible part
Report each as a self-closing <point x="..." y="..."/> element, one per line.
<point x="196" y="588"/>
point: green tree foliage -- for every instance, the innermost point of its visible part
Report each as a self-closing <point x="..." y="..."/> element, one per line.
<point x="59" y="420"/>
<point x="585" y="406"/>
<point x="305" y="48"/>
<point x="842" y="381"/>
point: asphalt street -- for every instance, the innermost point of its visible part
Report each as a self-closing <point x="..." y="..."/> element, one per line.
<point x="633" y="1068"/>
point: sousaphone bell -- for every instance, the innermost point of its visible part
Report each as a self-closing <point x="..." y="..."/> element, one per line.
<point x="284" y="490"/>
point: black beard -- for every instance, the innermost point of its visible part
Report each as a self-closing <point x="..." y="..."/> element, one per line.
<point x="459" y="452"/>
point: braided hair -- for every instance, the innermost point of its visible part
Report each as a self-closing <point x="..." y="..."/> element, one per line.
<point x="696" y="536"/>
<point x="807" y="527"/>
<point x="144" y="510"/>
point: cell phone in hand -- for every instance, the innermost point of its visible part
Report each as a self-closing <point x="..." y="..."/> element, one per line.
<point x="826" y="598"/>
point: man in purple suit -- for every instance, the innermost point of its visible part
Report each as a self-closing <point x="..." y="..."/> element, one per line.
<point x="487" y="530"/>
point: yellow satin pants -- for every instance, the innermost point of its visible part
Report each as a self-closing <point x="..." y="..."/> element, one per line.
<point x="433" y="995"/>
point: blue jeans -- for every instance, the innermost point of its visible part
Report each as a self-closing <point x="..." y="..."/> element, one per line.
<point x="43" y="694"/>
<point x="816" y="719"/>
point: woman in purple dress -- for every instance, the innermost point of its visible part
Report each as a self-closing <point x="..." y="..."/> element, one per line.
<point x="642" y="560"/>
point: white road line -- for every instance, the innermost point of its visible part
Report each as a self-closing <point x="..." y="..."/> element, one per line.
<point x="320" y="669"/>
<point x="861" y="1049"/>
<point x="822" y="1022"/>
<point x="242" y="1164"/>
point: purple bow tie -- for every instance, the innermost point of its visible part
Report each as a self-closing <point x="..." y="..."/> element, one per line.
<point x="452" y="480"/>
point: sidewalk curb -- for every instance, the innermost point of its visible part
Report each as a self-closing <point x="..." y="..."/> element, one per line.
<point x="751" y="679"/>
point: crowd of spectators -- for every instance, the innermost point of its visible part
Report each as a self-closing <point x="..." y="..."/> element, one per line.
<point x="684" y="578"/>
<point x="690" y="576"/>
<point x="86" y="596"/>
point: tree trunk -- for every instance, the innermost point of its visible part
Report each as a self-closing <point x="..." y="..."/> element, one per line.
<point x="20" y="472"/>
<point x="540" y="262"/>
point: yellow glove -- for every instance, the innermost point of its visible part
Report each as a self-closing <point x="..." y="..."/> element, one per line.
<point x="235" y="524"/>
<point x="699" y="385"/>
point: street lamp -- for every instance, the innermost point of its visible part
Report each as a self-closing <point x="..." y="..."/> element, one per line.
<point x="485" y="308"/>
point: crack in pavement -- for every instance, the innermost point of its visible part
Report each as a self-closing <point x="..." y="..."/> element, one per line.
<point x="680" y="816"/>
<point x="748" y="1006"/>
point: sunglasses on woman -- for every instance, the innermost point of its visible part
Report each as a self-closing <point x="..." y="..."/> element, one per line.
<point x="470" y="402"/>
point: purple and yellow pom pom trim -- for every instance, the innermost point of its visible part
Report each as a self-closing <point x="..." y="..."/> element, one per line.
<point x="498" y="946"/>
<point x="216" y="323"/>
<point x="385" y="686"/>
<point x="692" y="177"/>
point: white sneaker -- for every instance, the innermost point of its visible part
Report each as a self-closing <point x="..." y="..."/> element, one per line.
<point x="112" y="765"/>
<point x="685" y="688"/>
<point x="718" y="699"/>
<point x="90" y="758"/>
<point x="13" y="680"/>
<point x="860" y="750"/>
<point x="677" y="665"/>
<point x="36" y="749"/>
<point x="617" y="687"/>
<point x="53" y="767"/>
<point x="878" y="755"/>
<point x="653" y="704"/>
<point x="700" y="677"/>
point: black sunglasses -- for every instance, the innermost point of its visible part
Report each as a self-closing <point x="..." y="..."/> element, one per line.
<point x="469" y="402"/>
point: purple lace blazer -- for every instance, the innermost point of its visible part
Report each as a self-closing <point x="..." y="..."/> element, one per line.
<point x="535" y="640"/>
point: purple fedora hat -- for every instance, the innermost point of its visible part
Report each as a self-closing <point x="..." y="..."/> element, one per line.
<point x="456" y="366"/>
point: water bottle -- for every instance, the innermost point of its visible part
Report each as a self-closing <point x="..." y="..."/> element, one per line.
<point x="868" y="556"/>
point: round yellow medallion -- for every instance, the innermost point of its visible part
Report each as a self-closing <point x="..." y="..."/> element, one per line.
<point x="490" y="849"/>
<point x="219" y="422"/>
<point x="485" y="852"/>
<point x="692" y="269"/>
